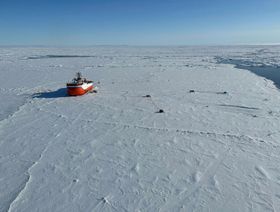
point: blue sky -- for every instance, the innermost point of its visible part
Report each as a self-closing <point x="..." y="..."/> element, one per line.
<point x="146" y="22"/>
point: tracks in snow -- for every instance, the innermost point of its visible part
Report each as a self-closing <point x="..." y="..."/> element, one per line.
<point x="174" y="130"/>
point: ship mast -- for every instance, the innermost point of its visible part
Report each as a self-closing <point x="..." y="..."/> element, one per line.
<point x="79" y="75"/>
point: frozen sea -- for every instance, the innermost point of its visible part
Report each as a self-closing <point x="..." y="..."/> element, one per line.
<point x="215" y="148"/>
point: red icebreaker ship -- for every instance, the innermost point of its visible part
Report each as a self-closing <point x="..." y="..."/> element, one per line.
<point x="79" y="86"/>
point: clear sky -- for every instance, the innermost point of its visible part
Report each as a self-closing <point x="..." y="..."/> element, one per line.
<point x="139" y="22"/>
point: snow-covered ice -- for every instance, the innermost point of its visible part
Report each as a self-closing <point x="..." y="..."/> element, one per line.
<point x="214" y="149"/>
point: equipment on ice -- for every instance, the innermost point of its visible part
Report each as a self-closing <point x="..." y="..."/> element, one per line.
<point x="79" y="86"/>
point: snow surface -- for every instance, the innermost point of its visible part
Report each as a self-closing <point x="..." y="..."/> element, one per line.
<point x="112" y="151"/>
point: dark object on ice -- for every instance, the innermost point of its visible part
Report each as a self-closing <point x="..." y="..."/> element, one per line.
<point x="104" y="200"/>
<point x="225" y="92"/>
<point x="192" y="91"/>
<point x="93" y="91"/>
<point x="147" y="96"/>
<point x="160" y="111"/>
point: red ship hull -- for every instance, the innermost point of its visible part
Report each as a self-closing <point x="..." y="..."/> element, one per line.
<point x="78" y="90"/>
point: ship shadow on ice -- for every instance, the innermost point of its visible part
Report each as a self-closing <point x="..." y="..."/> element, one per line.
<point x="60" y="93"/>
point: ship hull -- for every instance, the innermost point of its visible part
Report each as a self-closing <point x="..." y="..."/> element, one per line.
<point x="78" y="90"/>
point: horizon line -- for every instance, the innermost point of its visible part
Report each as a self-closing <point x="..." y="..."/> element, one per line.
<point x="135" y="45"/>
